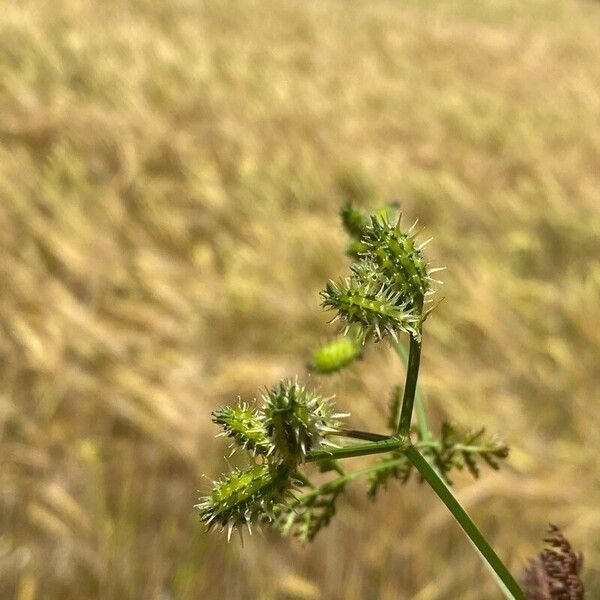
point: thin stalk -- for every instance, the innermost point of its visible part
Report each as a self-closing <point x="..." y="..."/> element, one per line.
<point x="351" y="476"/>
<point x="410" y="387"/>
<point x="385" y="445"/>
<point x="503" y="577"/>
<point x="363" y="435"/>
<point x="423" y="425"/>
<point x="434" y="444"/>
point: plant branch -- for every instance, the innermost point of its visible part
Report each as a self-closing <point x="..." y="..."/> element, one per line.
<point x="419" y="403"/>
<point x="410" y="387"/>
<point x="363" y="435"/>
<point x="334" y="484"/>
<point x="385" y="445"/>
<point x="509" y="586"/>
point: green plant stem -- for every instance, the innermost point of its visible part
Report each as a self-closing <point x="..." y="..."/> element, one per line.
<point x="385" y="445"/>
<point x="507" y="582"/>
<point x="335" y="484"/>
<point x="419" y="402"/>
<point x="363" y="435"/>
<point x="410" y="387"/>
<point x="377" y="437"/>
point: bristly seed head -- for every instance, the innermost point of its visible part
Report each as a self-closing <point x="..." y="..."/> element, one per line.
<point x="244" y="425"/>
<point x="354" y="220"/>
<point x="385" y="293"/>
<point x="297" y="420"/>
<point x="245" y="497"/>
<point x="398" y="257"/>
<point x="368" y="300"/>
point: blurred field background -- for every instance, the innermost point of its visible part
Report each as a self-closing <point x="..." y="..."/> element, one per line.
<point x="170" y="176"/>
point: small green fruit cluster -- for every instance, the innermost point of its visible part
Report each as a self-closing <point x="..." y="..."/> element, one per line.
<point x="291" y="422"/>
<point x="244" y="496"/>
<point x="386" y="290"/>
<point x="297" y="420"/>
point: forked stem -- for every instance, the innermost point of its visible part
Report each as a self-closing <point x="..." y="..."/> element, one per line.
<point x="413" y="398"/>
<point x="502" y="575"/>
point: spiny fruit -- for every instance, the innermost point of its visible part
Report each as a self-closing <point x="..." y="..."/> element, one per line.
<point x="398" y="258"/>
<point x="244" y="497"/>
<point x="297" y="420"/>
<point x="335" y="354"/>
<point x="355" y="221"/>
<point x="367" y="300"/>
<point x="244" y="425"/>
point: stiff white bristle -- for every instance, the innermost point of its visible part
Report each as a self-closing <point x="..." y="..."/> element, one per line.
<point x="423" y="244"/>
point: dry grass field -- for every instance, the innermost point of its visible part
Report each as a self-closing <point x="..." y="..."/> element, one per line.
<point x="170" y="176"/>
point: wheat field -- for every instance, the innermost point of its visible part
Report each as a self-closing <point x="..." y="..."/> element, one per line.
<point x="170" y="177"/>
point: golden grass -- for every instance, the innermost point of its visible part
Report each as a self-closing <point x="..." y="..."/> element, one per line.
<point x="170" y="174"/>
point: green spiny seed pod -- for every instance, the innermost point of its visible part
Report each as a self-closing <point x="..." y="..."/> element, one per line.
<point x="245" y="497"/>
<point x="335" y="354"/>
<point x="368" y="300"/>
<point x="399" y="258"/>
<point x="297" y="420"/>
<point x="354" y="220"/>
<point x="244" y="426"/>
